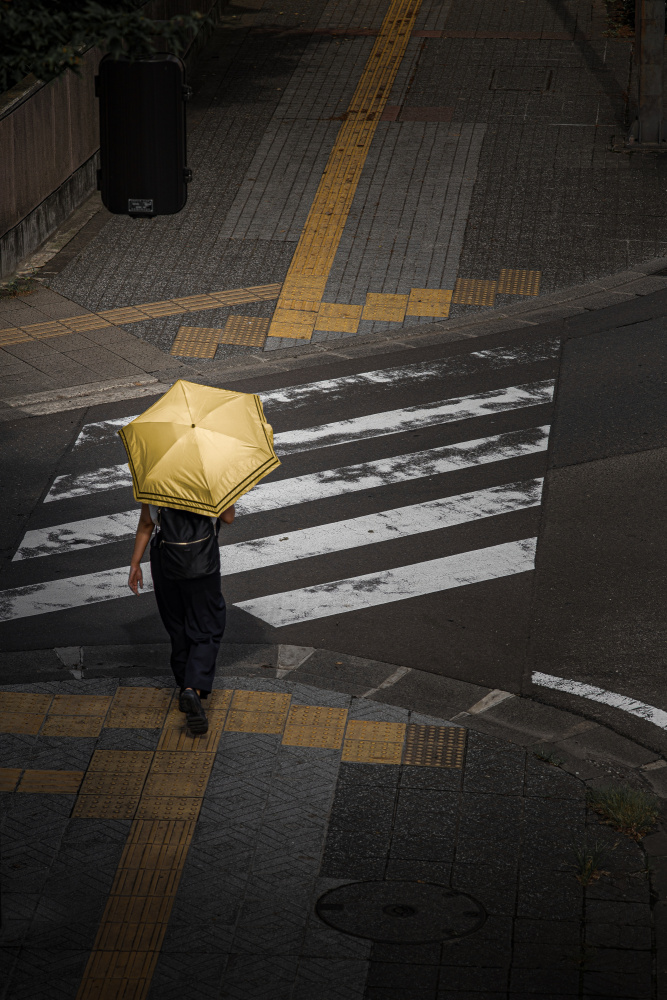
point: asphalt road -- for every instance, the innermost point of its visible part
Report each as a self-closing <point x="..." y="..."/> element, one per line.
<point x="407" y="537"/>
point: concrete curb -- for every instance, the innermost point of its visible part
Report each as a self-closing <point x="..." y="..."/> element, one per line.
<point x="594" y="296"/>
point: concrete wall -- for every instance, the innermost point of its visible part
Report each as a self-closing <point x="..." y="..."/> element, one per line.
<point x="49" y="137"/>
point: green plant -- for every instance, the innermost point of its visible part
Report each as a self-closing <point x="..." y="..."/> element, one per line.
<point x="631" y="811"/>
<point x="589" y="861"/>
<point x="48" y="37"/>
<point x="18" y="286"/>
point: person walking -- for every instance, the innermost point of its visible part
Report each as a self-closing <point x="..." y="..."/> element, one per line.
<point x="185" y="566"/>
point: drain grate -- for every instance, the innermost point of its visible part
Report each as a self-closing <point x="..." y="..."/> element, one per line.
<point x="401" y="912"/>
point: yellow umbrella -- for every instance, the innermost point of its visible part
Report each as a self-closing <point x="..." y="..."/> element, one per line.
<point x="199" y="448"/>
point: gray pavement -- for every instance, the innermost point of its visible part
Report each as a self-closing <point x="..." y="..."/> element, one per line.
<point x="290" y="836"/>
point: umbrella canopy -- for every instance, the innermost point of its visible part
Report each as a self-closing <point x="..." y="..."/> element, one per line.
<point x="199" y="448"/>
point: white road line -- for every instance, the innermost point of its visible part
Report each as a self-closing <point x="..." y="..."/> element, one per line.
<point x="409" y="418"/>
<point x="93" y="531"/>
<point x="310" y="602"/>
<point x="384" y="526"/>
<point x="104" y="431"/>
<point x="70" y="592"/>
<point x="387" y="586"/>
<point x="631" y="705"/>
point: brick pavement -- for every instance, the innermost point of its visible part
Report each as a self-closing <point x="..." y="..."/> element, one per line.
<point x="134" y="854"/>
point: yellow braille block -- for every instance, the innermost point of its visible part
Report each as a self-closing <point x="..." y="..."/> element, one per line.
<point x="245" y="331"/>
<point x="196" y="342"/>
<point x="433" y="302"/>
<point x="9" y="777"/>
<point x="338" y="318"/>
<point x="121" y="761"/>
<point x="80" y="704"/>
<point x="73" y="725"/>
<point x="315" y="726"/>
<point x="124" y="314"/>
<point x="51" y="782"/>
<point x="113" y="783"/>
<point x="18" y="701"/>
<point x="514" y="281"/>
<point x="474" y="292"/>
<point x="390" y="732"/>
<point x="372" y="752"/>
<point x="434" y="746"/>
<point x="106" y="806"/>
<point x="168" y="807"/>
<point x="15" y="722"/>
<point x="255" y="722"/>
<point x="385" y="307"/>
<point x="156" y="309"/>
<point x="80" y="324"/>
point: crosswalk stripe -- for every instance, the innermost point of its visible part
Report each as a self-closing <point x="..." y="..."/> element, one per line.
<point x="111" y="584"/>
<point x="387" y="525"/>
<point x="104" y="431"/>
<point x="270" y="495"/>
<point x="516" y="397"/>
<point x="372" y="589"/>
<point x="69" y="592"/>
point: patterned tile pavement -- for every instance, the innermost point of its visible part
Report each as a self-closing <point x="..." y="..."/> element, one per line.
<point x="141" y="862"/>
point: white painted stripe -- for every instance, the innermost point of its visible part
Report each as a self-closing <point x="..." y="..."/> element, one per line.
<point x="387" y="525"/>
<point x="631" y="705"/>
<point x="93" y="531"/>
<point x="311" y="602"/>
<point x="373" y="425"/>
<point x="388" y="586"/>
<point x="70" y="592"/>
<point x="104" y="431"/>
<point x="412" y="418"/>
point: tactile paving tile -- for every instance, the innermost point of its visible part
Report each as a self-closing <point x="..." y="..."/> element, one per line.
<point x="9" y="777"/>
<point x="514" y="281"/>
<point x="80" y="704"/>
<point x="174" y="762"/>
<point x="372" y="752"/>
<point x="80" y="324"/>
<point x="166" y="308"/>
<point x="73" y="725"/>
<point x="51" y="782"/>
<point x="128" y="314"/>
<point x="52" y="329"/>
<point x="260" y="701"/>
<point x="31" y="704"/>
<point x="338" y="318"/>
<point x="385" y="307"/>
<point x="176" y="784"/>
<point x="125" y="974"/>
<point x="315" y="726"/>
<point x="389" y="732"/>
<point x="429" y="302"/>
<point x="434" y="746"/>
<point x="178" y="738"/>
<point x="196" y="342"/>
<point x="106" y="806"/>
<point x="255" y="722"/>
<point x="245" y="331"/>
<point x="18" y="723"/>
<point x="474" y="292"/>
<point x="104" y="783"/>
<point x="121" y="761"/>
<point x="142" y="698"/>
<point x="168" y="807"/>
<point x="158" y="832"/>
<point x="193" y="303"/>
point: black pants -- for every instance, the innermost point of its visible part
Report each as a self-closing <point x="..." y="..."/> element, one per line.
<point x="193" y="613"/>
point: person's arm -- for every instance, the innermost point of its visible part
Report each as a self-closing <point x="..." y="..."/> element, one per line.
<point x="142" y="538"/>
<point x="228" y="515"/>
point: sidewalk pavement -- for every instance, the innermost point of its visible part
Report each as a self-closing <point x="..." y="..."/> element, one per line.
<point x="345" y="830"/>
<point x="482" y="186"/>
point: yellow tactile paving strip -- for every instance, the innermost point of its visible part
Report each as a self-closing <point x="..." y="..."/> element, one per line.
<point x="162" y="790"/>
<point x="299" y="302"/>
<point x="136" y="314"/>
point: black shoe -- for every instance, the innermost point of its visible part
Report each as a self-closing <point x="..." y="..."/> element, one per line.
<point x="196" y="720"/>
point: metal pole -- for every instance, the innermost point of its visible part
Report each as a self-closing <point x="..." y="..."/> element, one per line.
<point x="650" y="43"/>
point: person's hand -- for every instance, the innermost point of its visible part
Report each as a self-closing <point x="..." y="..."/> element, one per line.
<point x="136" y="579"/>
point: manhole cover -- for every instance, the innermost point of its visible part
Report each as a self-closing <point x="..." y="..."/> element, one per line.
<point x="414" y="912"/>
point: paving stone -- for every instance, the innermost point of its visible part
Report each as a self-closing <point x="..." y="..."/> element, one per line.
<point x="173" y="976"/>
<point x="16" y="750"/>
<point x="502" y="774"/>
<point x="271" y="977"/>
<point x="330" y="978"/>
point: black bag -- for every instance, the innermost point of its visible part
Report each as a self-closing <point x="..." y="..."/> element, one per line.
<point x="187" y="544"/>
